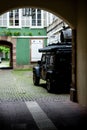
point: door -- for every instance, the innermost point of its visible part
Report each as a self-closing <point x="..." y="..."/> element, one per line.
<point x="35" y="45"/>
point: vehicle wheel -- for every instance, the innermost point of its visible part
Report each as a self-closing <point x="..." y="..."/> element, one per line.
<point x="49" y="85"/>
<point x="35" y="79"/>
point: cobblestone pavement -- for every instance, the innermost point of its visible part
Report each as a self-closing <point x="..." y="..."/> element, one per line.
<point x="18" y="86"/>
<point x="26" y="107"/>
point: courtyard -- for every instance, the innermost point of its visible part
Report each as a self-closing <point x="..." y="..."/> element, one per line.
<point x="24" y="106"/>
<point x="17" y="85"/>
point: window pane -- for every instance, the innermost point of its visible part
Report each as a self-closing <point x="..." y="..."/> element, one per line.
<point x="38" y="22"/>
<point x="11" y="22"/>
<point x="39" y="11"/>
<point x="14" y="18"/>
<point x="33" y="22"/>
<point x="38" y="16"/>
<point x="11" y="14"/>
<point x="16" y="13"/>
<point x="33" y="11"/>
<point x="34" y="19"/>
<point x="16" y="22"/>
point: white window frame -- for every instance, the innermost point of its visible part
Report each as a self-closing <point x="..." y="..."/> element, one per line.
<point x="20" y="11"/>
<point x="2" y="21"/>
<point x="36" y="20"/>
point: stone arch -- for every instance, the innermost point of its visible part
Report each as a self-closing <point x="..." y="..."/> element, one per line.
<point x="67" y="13"/>
<point x="7" y="43"/>
<point x="74" y="12"/>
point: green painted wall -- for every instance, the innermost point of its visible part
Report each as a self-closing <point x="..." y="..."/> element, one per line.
<point x="24" y="31"/>
<point x="22" y="51"/>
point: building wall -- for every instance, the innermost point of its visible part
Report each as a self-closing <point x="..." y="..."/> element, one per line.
<point x="82" y="53"/>
<point x="19" y="24"/>
<point x="22" y="45"/>
<point x="23" y="31"/>
<point x="21" y="49"/>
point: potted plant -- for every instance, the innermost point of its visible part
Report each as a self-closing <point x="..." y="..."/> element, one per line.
<point x="8" y="33"/>
<point x="30" y="33"/>
<point x="17" y="33"/>
<point x="39" y="33"/>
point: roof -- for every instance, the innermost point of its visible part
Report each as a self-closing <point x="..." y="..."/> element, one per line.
<point x="56" y="47"/>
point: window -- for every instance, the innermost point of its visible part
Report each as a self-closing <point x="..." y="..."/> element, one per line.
<point x="32" y="17"/>
<point x="14" y="18"/>
<point x="43" y="58"/>
<point x="51" y="60"/>
<point x="36" y="18"/>
<point x="3" y="20"/>
<point x="26" y="12"/>
<point x="25" y="17"/>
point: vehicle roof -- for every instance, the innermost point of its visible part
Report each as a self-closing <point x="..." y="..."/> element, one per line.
<point x="56" y="47"/>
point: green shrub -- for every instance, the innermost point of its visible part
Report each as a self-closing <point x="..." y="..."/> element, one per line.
<point x="17" y="33"/>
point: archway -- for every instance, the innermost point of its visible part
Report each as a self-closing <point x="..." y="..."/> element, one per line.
<point x="9" y="45"/>
<point x="73" y="90"/>
<point x="74" y="12"/>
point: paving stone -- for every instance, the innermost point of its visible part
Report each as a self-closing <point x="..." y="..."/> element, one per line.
<point x="18" y="86"/>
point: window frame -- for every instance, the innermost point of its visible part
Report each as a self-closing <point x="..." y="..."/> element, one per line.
<point x="8" y="19"/>
<point x="37" y="20"/>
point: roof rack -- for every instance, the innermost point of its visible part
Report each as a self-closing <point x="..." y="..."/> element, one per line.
<point x="56" y="47"/>
<point x="60" y="43"/>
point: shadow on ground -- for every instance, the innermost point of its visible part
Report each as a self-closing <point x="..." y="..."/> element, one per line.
<point x="56" y="90"/>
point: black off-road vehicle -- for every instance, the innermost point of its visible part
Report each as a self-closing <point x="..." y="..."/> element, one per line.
<point x="54" y="67"/>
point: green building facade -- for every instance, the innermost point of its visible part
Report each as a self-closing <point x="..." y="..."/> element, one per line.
<point x="26" y="34"/>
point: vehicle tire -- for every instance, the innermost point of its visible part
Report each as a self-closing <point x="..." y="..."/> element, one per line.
<point x="49" y="85"/>
<point x="36" y="79"/>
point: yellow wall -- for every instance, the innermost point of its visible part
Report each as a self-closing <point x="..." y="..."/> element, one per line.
<point x="82" y="53"/>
